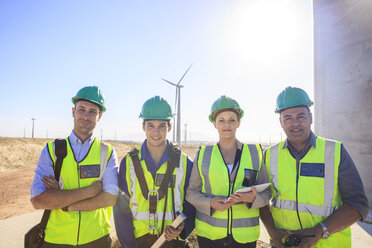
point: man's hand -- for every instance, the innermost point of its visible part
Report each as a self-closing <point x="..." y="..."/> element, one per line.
<point x="248" y="197"/>
<point x="308" y="242"/>
<point x="95" y="188"/>
<point x="50" y="182"/>
<point x="277" y="235"/>
<point x="171" y="233"/>
<point x="220" y="204"/>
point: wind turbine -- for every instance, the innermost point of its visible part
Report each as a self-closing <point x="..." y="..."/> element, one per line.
<point x="177" y="105"/>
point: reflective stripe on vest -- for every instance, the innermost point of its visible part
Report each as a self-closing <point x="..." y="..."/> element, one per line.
<point x="103" y="158"/>
<point x="326" y="209"/>
<point x="206" y="164"/>
<point x="247" y="222"/>
<point x="241" y="222"/>
<point x="140" y="206"/>
<point x="80" y="227"/>
<point x="317" y="191"/>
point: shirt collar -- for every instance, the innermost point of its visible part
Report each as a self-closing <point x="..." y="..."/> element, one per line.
<point x="312" y="141"/>
<point x="145" y="155"/>
<point x="238" y="144"/>
<point x="76" y="140"/>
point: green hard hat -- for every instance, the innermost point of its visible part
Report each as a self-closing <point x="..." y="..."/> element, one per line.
<point x="292" y="97"/>
<point x="91" y="94"/>
<point x="156" y="108"/>
<point x="225" y="102"/>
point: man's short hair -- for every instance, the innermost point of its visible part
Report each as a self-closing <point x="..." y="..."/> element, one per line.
<point x="82" y="99"/>
<point x="306" y="106"/>
<point x="144" y="121"/>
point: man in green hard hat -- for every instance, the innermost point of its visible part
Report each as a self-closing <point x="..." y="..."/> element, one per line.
<point x="81" y="201"/>
<point x="153" y="181"/>
<point x="316" y="189"/>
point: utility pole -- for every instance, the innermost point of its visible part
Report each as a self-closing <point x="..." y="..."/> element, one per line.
<point x="24" y="132"/>
<point x="33" y="125"/>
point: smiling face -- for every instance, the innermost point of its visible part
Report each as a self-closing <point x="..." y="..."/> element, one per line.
<point x="226" y="123"/>
<point x="86" y="116"/>
<point x="156" y="132"/>
<point x="296" y="123"/>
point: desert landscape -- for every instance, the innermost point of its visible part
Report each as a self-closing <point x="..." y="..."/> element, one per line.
<point x="18" y="159"/>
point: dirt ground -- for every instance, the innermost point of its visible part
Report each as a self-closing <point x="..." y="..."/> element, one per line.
<point x="18" y="159"/>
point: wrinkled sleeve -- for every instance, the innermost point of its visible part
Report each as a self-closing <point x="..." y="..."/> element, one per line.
<point x="350" y="184"/>
<point x="44" y="167"/>
<point x="110" y="176"/>
<point x="122" y="214"/>
<point x="188" y="209"/>
<point x="124" y="223"/>
<point x="194" y="195"/>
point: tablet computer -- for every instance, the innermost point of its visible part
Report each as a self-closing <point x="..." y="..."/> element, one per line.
<point x="259" y="188"/>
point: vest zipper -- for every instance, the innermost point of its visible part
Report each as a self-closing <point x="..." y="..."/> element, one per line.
<point x="78" y="231"/>
<point x="297" y="179"/>
<point x="229" y="210"/>
<point x="232" y="184"/>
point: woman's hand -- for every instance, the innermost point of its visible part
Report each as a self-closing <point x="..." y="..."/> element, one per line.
<point x="248" y="197"/>
<point x="220" y="204"/>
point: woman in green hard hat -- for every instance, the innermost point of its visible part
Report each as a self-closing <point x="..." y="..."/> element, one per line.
<point x="225" y="218"/>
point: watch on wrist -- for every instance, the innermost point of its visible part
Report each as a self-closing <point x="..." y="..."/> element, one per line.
<point x="325" y="231"/>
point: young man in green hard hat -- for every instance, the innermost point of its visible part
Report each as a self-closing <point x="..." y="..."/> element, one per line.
<point x="153" y="181"/>
<point x="316" y="188"/>
<point x="81" y="201"/>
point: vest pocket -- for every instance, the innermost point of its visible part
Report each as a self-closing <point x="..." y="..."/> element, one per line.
<point x="312" y="169"/>
<point x="89" y="171"/>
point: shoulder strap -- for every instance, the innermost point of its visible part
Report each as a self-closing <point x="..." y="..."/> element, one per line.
<point x="174" y="154"/>
<point x="139" y="172"/>
<point x="61" y="152"/>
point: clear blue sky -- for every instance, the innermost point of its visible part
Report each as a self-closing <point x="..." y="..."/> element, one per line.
<point x="247" y="50"/>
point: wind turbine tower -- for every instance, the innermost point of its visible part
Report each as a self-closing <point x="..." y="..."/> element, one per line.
<point x="178" y="107"/>
<point x="33" y="126"/>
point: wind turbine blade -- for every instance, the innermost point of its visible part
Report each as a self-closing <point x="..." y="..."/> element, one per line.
<point x="169" y="82"/>
<point x="184" y="74"/>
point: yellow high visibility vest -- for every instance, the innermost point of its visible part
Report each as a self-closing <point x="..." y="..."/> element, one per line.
<point x="318" y="195"/>
<point x="238" y="220"/>
<point x="139" y="205"/>
<point x="80" y="227"/>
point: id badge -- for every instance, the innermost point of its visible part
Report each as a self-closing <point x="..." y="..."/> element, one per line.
<point x="160" y="177"/>
<point x="89" y="171"/>
<point x="249" y="177"/>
